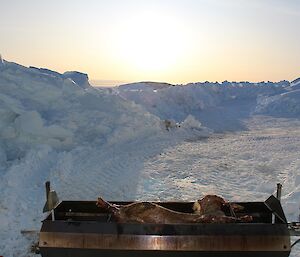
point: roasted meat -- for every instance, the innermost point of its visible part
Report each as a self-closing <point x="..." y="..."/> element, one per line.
<point x="147" y="212"/>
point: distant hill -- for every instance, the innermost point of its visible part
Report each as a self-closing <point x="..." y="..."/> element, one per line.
<point x="145" y="85"/>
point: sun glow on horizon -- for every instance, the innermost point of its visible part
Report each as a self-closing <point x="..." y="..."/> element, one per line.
<point x="171" y="40"/>
<point x="150" y="42"/>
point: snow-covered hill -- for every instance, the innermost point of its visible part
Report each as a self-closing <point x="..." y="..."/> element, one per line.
<point x="286" y="104"/>
<point x="221" y="107"/>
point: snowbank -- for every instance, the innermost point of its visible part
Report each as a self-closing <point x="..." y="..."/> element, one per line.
<point x="79" y="78"/>
<point x="40" y="107"/>
<point x="295" y="82"/>
<point x="221" y="107"/>
<point x="283" y="105"/>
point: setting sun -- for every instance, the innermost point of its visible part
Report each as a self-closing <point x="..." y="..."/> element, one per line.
<point x="171" y="41"/>
<point x="150" y="42"/>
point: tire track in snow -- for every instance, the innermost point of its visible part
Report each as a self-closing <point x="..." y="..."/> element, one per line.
<point x="239" y="166"/>
<point x="115" y="178"/>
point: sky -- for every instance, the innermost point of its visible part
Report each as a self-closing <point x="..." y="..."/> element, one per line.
<point x="176" y="41"/>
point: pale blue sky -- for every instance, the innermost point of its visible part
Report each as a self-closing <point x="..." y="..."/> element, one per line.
<point x="174" y="41"/>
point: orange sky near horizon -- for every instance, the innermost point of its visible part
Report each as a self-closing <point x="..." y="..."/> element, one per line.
<point x="171" y="41"/>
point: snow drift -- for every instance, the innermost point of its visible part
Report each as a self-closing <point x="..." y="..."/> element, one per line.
<point x="286" y="104"/>
<point x="220" y="106"/>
